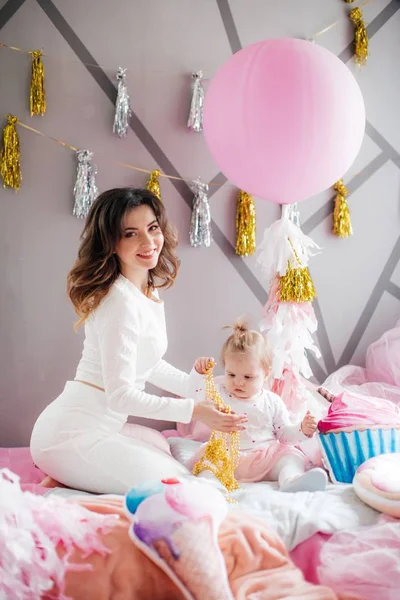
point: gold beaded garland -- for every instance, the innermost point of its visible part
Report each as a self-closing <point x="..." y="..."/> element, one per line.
<point x="222" y="452"/>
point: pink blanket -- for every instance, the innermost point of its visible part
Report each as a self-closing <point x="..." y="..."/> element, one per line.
<point x="180" y="543"/>
<point x="19" y="461"/>
<point x="257" y="565"/>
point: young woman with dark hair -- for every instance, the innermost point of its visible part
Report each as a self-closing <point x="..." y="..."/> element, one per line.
<point x="82" y="439"/>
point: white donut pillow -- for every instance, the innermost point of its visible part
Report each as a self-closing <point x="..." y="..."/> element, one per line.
<point x="377" y="483"/>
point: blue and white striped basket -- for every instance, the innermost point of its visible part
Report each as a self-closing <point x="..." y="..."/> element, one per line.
<point x="345" y="451"/>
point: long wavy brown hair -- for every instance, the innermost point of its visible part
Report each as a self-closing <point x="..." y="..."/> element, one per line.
<point x="97" y="267"/>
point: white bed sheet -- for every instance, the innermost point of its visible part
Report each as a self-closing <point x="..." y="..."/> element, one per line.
<point x="295" y="517"/>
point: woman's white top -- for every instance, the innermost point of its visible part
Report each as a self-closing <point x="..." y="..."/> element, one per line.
<point x="125" y="341"/>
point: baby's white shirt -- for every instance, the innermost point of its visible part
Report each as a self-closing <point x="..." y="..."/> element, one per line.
<point x="268" y="417"/>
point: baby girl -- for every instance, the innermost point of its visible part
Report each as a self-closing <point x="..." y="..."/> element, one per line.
<point x="268" y="439"/>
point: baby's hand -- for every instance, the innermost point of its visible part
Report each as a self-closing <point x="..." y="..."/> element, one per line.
<point x="203" y="364"/>
<point x="309" y="425"/>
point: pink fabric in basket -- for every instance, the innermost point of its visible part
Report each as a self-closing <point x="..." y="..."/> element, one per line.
<point x="19" y="461"/>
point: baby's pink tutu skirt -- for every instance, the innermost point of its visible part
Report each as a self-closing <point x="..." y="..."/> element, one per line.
<point x="255" y="465"/>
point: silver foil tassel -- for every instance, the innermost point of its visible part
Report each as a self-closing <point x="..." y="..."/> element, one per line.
<point x="195" y="120"/>
<point x="295" y="214"/>
<point x="85" y="189"/>
<point x="286" y="211"/>
<point x="122" y="106"/>
<point x="291" y="212"/>
<point x="200" y="224"/>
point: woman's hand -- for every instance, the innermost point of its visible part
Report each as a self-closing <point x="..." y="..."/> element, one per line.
<point x="207" y="413"/>
<point x="203" y="363"/>
<point x="309" y="425"/>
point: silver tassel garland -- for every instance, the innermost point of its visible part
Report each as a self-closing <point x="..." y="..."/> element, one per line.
<point x="122" y="106"/>
<point x="200" y="224"/>
<point x="85" y="189"/>
<point x="195" y="120"/>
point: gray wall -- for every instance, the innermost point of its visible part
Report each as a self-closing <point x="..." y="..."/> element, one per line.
<point x="161" y="43"/>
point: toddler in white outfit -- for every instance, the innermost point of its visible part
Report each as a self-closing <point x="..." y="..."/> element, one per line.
<point x="267" y="443"/>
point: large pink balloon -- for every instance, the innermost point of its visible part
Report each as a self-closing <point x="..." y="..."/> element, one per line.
<point x="284" y="119"/>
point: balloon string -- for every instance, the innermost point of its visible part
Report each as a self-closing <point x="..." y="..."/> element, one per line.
<point x="109" y="68"/>
<point x="76" y="61"/>
<point x="332" y="25"/>
<point x="120" y="164"/>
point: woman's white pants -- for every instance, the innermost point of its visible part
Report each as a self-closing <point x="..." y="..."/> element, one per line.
<point x="97" y="452"/>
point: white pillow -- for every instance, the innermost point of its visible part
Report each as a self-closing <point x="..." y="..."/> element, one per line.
<point x="183" y="450"/>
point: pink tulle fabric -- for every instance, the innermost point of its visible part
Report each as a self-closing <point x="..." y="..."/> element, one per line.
<point x="33" y="530"/>
<point x="292" y="391"/>
<point x="289" y="328"/>
<point x="365" y="561"/>
<point x="380" y="377"/>
<point x="255" y="465"/>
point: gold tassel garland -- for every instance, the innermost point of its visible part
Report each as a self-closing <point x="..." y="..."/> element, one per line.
<point x="296" y="285"/>
<point x="37" y="92"/>
<point x="222" y="452"/>
<point x="360" y="37"/>
<point x="245" y="225"/>
<point x="10" y="155"/>
<point x="341" y="213"/>
<point x="153" y="185"/>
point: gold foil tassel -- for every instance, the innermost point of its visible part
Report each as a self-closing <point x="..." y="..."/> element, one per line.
<point x="341" y="213"/>
<point x="296" y="285"/>
<point x="153" y="185"/>
<point x="37" y="93"/>
<point x="10" y="155"/>
<point x="360" y="37"/>
<point x="222" y="452"/>
<point x="245" y="225"/>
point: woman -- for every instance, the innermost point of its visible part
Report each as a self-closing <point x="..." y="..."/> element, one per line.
<point x="82" y="439"/>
